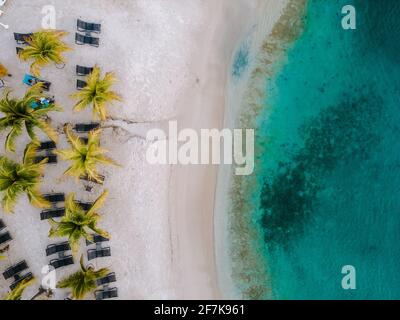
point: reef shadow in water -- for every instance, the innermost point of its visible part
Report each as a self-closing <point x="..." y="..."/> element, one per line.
<point x="340" y="134"/>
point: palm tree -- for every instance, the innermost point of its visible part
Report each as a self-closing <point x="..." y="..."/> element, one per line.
<point x="83" y="281"/>
<point x="77" y="223"/>
<point x="97" y="93"/>
<point x="85" y="157"/>
<point x="44" y="47"/>
<point x="16" y="294"/>
<point x="19" y="114"/>
<point x="19" y="178"/>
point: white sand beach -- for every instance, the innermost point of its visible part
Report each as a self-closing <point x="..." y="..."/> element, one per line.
<point x="172" y="59"/>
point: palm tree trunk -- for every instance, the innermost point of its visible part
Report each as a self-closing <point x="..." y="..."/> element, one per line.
<point x="39" y="293"/>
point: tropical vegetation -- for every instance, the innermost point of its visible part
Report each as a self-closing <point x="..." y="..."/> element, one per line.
<point x="16" y="294"/>
<point x="44" y="47"/>
<point x="78" y="223"/>
<point x="19" y="114"/>
<point x="83" y="281"/>
<point x="97" y="94"/>
<point x="22" y="178"/>
<point x="85" y="157"/>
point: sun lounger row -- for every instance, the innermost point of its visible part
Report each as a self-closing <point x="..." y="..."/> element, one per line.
<point x="62" y="262"/>
<point x="86" y="127"/>
<point x="97" y="239"/>
<point x="52" y="213"/>
<point x="85" y="205"/>
<point x="98" y="253"/>
<point x="15" y="270"/>
<point x="80" y="84"/>
<point x="5" y="237"/>
<point x="84" y="26"/>
<point x="54" y="197"/>
<point x="19" y="279"/>
<point x="107" y="279"/>
<point x="57" y="248"/>
<point x="83" y="71"/>
<point x="106" y="294"/>
<point x="81" y="39"/>
<point x="51" y="158"/>
<point x="47" y="145"/>
<point x="59" y="212"/>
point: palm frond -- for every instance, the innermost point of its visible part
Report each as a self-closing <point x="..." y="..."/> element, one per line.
<point x="97" y="94"/>
<point x="18" y="114"/>
<point x="83" y="281"/>
<point x="16" y="294"/>
<point x="85" y="158"/>
<point x="77" y="224"/>
<point x="44" y="47"/>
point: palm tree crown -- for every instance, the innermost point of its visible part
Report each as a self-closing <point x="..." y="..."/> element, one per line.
<point x="97" y="93"/>
<point x="77" y="223"/>
<point x="85" y="157"/>
<point x="19" y="178"/>
<point x="16" y="294"/>
<point x="43" y="48"/>
<point x="19" y="114"/>
<point x="83" y="281"/>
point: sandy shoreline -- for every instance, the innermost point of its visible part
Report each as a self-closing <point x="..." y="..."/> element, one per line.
<point x="243" y="273"/>
<point x="194" y="186"/>
<point x="161" y="218"/>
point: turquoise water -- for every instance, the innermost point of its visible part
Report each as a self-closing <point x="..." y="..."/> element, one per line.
<point x="330" y="160"/>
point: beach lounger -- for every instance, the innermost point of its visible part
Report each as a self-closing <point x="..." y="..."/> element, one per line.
<point x="15" y="269"/>
<point x="80" y="84"/>
<point x="57" y="248"/>
<point x="63" y="262"/>
<point x="47" y="145"/>
<point x="85" y="205"/>
<point x="31" y="80"/>
<point x="53" y="213"/>
<point x="80" y="39"/>
<point x="106" y="294"/>
<point x="2" y="225"/>
<point x="54" y="197"/>
<point x="86" y="127"/>
<point x="22" y="38"/>
<point x="107" y="279"/>
<point x="83" y="71"/>
<point x="84" y="26"/>
<point x="98" y="253"/>
<point x="4" y="238"/>
<point x="52" y="158"/>
<point x="97" y="239"/>
<point x="27" y="276"/>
